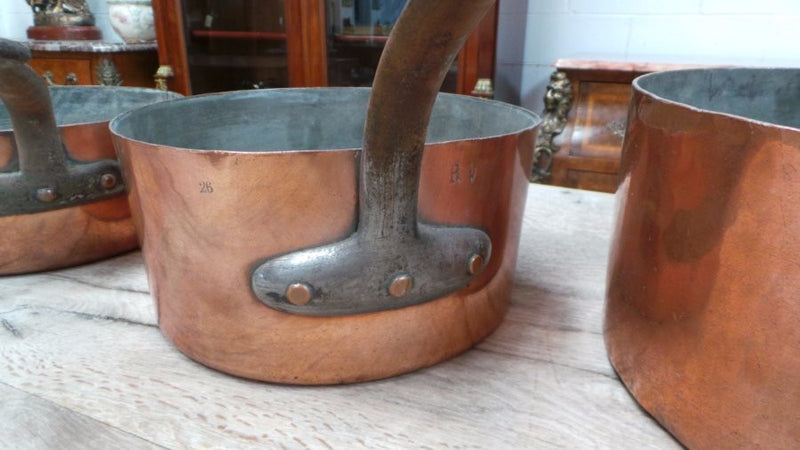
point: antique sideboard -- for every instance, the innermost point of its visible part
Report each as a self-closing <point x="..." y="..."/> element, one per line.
<point x="95" y="62"/>
<point x="586" y="107"/>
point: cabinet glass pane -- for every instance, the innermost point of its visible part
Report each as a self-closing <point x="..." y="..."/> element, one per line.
<point x="356" y="33"/>
<point x="235" y="44"/>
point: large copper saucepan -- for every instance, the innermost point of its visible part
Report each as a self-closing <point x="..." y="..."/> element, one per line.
<point x="61" y="193"/>
<point x="703" y="303"/>
<point x="278" y="250"/>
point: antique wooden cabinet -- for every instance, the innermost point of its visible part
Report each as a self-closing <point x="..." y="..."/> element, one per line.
<point x="94" y="62"/>
<point x="221" y="45"/>
<point x="586" y="107"/>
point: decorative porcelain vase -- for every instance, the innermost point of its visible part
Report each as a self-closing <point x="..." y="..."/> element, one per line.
<point x="132" y="20"/>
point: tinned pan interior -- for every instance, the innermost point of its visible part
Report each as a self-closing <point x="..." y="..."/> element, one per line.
<point x="74" y="105"/>
<point x="767" y="95"/>
<point x="82" y="114"/>
<point x="303" y="119"/>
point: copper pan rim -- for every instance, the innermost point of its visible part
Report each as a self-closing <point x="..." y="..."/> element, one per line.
<point x="698" y="76"/>
<point x="525" y="120"/>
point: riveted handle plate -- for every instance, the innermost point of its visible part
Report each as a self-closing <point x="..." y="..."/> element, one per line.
<point x="44" y="178"/>
<point x="392" y="260"/>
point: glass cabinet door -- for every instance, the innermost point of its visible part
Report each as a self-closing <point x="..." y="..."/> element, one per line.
<point x="356" y="33"/>
<point x="235" y="44"/>
<point x="223" y="45"/>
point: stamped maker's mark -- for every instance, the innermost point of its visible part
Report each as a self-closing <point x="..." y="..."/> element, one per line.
<point x="206" y="188"/>
<point x="456" y="174"/>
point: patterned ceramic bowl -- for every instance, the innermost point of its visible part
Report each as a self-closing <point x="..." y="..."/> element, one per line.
<point x="132" y="20"/>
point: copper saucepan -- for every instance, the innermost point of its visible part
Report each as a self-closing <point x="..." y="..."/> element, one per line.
<point x="276" y="249"/>
<point x="703" y="301"/>
<point x="61" y="192"/>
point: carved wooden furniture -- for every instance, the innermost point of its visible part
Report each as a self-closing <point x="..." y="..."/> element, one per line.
<point x="586" y="106"/>
<point x="222" y="45"/>
<point x="95" y="62"/>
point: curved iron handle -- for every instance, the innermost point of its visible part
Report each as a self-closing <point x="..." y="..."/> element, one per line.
<point x="422" y="47"/>
<point x="46" y="179"/>
<point x="30" y="109"/>
<point x="392" y="260"/>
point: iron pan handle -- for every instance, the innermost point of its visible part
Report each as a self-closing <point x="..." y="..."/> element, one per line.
<point x="392" y="260"/>
<point x="47" y="179"/>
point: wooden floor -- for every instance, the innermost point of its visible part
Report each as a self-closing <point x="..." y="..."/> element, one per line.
<point x="83" y="365"/>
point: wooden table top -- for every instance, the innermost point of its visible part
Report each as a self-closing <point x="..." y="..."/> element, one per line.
<point x="83" y="365"/>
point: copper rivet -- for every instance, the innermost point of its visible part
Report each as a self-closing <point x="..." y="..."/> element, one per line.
<point x="298" y="294"/>
<point x="108" y="181"/>
<point x="46" y="195"/>
<point x="475" y="264"/>
<point x="401" y="285"/>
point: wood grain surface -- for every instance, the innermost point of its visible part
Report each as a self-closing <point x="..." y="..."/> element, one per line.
<point x="39" y="423"/>
<point x="82" y="364"/>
